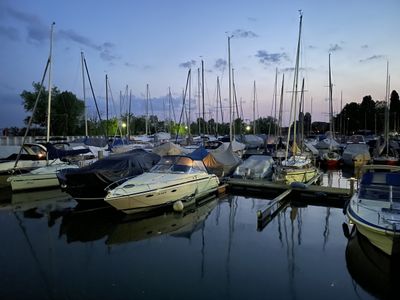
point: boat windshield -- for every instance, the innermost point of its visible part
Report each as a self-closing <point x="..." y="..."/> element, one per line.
<point x="379" y="192"/>
<point x="178" y="164"/>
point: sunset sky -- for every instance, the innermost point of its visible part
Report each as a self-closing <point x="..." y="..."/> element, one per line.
<point x="155" y="42"/>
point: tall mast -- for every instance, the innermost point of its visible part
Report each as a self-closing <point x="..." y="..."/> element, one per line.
<point x="387" y="109"/>
<point x="217" y="106"/>
<point x="50" y="88"/>
<point x="294" y="95"/>
<point x="230" y="91"/>
<point x="202" y="94"/>
<point x="331" y="125"/>
<point x="84" y="93"/>
<point x="198" y="98"/>
<point x="128" y="118"/>
<point x="147" y="109"/>
<point x="106" y="105"/>
<point x="275" y="99"/>
<point x="254" y="107"/>
<point x="281" y="107"/>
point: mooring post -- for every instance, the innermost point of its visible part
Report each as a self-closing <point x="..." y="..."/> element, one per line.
<point x="352" y="189"/>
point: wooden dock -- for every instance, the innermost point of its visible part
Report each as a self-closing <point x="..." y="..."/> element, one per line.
<point x="321" y="194"/>
<point x="263" y="186"/>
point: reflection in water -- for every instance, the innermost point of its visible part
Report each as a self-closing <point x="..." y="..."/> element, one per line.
<point x="117" y="228"/>
<point x="370" y="268"/>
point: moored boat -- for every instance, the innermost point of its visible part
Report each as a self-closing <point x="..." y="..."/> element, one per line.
<point x="87" y="184"/>
<point x="174" y="178"/>
<point x="40" y="178"/>
<point x="375" y="208"/>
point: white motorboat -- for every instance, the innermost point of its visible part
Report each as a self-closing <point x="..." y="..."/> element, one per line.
<point x="174" y="178"/>
<point x="375" y="208"/>
<point x="32" y="156"/>
<point x="40" y="178"/>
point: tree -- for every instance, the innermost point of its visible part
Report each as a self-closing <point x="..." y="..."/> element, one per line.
<point x="395" y="110"/>
<point x="66" y="110"/>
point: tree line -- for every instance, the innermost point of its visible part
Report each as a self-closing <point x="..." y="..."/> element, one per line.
<point x="67" y="118"/>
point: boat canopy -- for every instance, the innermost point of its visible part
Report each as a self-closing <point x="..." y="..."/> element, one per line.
<point x="380" y="186"/>
<point x="178" y="164"/>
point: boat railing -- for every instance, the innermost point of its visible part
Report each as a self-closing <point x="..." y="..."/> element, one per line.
<point x="116" y="183"/>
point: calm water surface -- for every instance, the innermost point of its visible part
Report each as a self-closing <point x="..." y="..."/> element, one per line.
<point x="52" y="250"/>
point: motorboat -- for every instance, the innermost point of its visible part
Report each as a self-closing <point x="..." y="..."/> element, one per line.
<point x="40" y="178"/>
<point x="174" y="178"/>
<point x="33" y="156"/>
<point x="255" y="167"/>
<point x="87" y="184"/>
<point x="375" y="208"/>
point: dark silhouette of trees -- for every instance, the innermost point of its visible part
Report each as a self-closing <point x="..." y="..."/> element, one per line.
<point x="66" y="110"/>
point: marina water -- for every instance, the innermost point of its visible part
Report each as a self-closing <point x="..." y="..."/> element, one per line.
<point x="52" y="249"/>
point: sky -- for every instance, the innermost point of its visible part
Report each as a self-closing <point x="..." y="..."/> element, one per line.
<point x="156" y="42"/>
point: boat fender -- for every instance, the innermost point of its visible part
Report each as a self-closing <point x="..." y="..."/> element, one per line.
<point x="178" y="206"/>
<point x="299" y="185"/>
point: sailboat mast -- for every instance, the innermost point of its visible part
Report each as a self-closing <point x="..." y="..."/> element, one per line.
<point x="106" y="105"/>
<point x="84" y="93"/>
<point x="331" y="125"/>
<point x="230" y="91"/>
<point x="281" y="107"/>
<point x="50" y="88"/>
<point x="216" y="113"/>
<point x="275" y="101"/>
<point x="294" y="94"/>
<point x="128" y="118"/>
<point x="202" y="94"/>
<point x="147" y="109"/>
<point x="254" y="107"/>
<point x="387" y="110"/>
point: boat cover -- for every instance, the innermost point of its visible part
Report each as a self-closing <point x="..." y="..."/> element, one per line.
<point x="168" y="148"/>
<point x="90" y="181"/>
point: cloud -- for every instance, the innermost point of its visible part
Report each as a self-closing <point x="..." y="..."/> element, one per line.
<point x="267" y="58"/>
<point x="334" y="48"/>
<point x="189" y="64"/>
<point x="77" y="38"/>
<point x="9" y="32"/>
<point x="37" y="30"/>
<point x="105" y="49"/>
<point x="373" y="57"/>
<point x="240" y="33"/>
<point x="130" y="65"/>
<point x="291" y="69"/>
<point x="220" y="64"/>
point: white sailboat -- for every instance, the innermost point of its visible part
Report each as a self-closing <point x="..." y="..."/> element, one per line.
<point x="297" y="168"/>
<point x="331" y="158"/>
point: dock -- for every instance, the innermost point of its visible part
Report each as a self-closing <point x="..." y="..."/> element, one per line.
<point x="308" y="192"/>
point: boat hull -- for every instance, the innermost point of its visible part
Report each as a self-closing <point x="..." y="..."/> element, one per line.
<point x="41" y="178"/>
<point x="381" y="236"/>
<point x="157" y="195"/>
